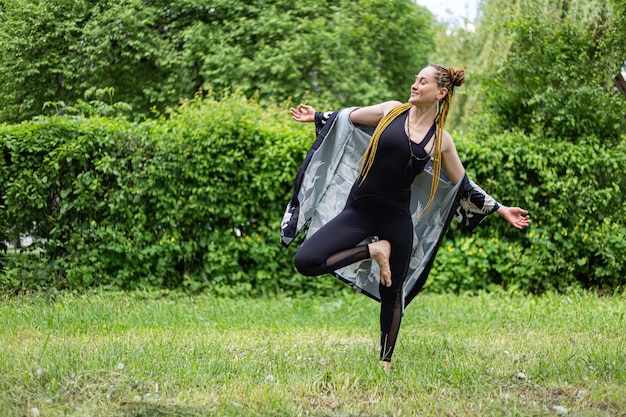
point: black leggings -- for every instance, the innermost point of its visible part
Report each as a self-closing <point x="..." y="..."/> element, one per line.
<point x="335" y="245"/>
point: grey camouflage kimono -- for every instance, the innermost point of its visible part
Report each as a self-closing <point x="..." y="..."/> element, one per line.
<point x="326" y="177"/>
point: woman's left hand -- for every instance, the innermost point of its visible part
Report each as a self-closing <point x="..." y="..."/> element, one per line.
<point x="516" y="216"/>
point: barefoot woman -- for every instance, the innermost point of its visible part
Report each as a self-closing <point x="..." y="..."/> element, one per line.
<point x="407" y="136"/>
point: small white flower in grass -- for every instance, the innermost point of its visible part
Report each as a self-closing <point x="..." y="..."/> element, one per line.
<point x="39" y="372"/>
<point x="34" y="412"/>
<point x="559" y="409"/>
<point x="137" y="398"/>
<point x="119" y="366"/>
<point x="269" y="378"/>
<point x="506" y="352"/>
<point x="521" y="375"/>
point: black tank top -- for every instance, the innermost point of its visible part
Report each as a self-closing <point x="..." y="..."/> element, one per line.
<point x="394" y="169"/>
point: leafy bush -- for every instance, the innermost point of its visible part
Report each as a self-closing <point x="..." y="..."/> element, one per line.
<point x="575" y="195"/>
<point x="193" y="201"/>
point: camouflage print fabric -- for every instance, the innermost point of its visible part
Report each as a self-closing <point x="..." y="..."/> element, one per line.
<point x="323" y="184"/>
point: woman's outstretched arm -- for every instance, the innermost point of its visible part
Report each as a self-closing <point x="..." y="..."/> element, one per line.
<point x="372" y="115"/>
<point x="369" y="116"/>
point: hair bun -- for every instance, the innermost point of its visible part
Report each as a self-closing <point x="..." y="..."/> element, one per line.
<point x="457" y="77"/>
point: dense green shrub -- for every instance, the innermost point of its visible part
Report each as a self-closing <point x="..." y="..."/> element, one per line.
<point x="193" y="201"/>
<point x="575" y="195"/>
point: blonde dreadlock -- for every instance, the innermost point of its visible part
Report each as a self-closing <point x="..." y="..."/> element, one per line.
<point x="370" y="153"/>
<point x="446" y="78"/>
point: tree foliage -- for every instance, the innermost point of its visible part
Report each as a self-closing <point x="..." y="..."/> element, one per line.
<point x="154" y="53"/>
<point x="555" y="74"/>
<point x="540" y="65"/>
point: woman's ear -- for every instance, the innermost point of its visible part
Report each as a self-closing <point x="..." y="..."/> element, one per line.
<point x="442" y="93"/>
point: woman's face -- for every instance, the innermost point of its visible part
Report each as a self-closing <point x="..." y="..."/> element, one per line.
<point x="425" y="90"/>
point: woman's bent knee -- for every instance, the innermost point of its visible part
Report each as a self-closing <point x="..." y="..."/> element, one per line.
<point x="307" y="263"/>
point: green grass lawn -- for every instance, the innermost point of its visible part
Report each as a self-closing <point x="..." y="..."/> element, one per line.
<point x="112" y="354"/>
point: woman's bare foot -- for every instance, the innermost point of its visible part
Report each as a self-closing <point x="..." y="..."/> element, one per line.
<point x="380" y="252"/>
<point x="386" y="365"/>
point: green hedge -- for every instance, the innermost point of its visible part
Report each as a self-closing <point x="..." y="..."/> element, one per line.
<point x="575" y="196"/>
<point x="194" y="201"/>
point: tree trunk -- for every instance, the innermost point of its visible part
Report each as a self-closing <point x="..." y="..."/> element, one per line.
<point x="620" y="83"/>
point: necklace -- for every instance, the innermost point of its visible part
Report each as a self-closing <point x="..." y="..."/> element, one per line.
<point x="409" y="165"/>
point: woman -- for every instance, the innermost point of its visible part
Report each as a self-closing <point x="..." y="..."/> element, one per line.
<point x="406" y="138"/>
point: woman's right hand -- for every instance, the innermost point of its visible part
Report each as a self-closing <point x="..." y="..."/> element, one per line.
<point x="304" y="113"/>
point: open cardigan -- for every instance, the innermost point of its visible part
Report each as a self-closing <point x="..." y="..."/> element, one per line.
<point x="324" y="181"/>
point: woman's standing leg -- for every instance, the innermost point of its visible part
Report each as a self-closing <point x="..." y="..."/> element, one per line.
<point x="400" y="236"/>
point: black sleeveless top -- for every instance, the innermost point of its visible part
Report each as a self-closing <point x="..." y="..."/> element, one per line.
<point x="394" y="168"/>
